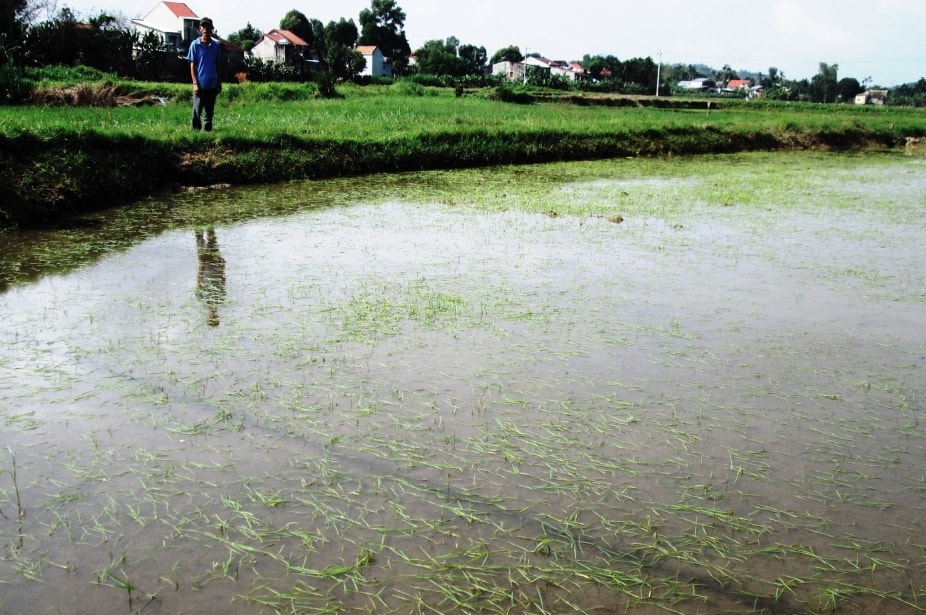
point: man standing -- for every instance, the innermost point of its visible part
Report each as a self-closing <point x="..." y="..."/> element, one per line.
<point x="205" y="58"/>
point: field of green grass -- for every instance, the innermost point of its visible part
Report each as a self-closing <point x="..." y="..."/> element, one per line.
<point x="267" y="111"/>
<point x="57" y="159"/>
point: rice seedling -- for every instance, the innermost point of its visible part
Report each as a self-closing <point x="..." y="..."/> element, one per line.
<point x="410" y="405"/>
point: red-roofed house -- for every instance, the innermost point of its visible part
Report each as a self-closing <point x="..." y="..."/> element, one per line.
<point x="377" y="65"/>
<point x="736" y="84"/>
<point x="175" y="22"/>
<point x="284" y="47"/>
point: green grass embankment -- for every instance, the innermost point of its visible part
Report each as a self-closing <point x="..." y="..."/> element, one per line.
<point x="61" y="160"/>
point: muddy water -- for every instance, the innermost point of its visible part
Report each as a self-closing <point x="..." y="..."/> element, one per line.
<point x="624" y="384"/>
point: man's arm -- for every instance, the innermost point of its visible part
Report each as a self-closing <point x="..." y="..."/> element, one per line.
<point x="193" y="76"/>
<point x="219" y="64"/>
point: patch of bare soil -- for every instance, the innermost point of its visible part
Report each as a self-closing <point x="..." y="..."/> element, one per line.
<point x="915" y="145"/>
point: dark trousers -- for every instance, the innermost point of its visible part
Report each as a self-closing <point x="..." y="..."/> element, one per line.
<point x="203" y="108"/>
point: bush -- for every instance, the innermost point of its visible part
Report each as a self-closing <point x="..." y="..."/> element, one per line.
<point x="508" y="93"/>
<point x="13" y="88"/>
<point x="405" y="87"/>
<point x="324" y="83"/>
<point x="68" y="75"/>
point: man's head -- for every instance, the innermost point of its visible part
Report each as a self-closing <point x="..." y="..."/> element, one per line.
<point x="206" y="24"/>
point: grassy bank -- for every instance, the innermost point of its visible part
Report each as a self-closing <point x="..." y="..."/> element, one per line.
<point x="58" y="160"/>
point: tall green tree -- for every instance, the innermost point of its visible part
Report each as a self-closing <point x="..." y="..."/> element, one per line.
<point x="100" y="43"/>
<point x="449" y="57"/>
<point x="318" y="36"/>
<point x="725" y="74"/>
<point x="13" y="20"/>
<point x="383" y="25"/>
<point x="474" y="59"/>
<point x="639" y="71"/>
<point x="246" y="37"/>
<point x="154" y="59"/>
<point x="106" y="45"/>
<point x="774" y="78"/>
<point x="824" y="85"/>
<point x="13" y="87"/>
<point x="511" y="53"/>
<point x="848" y="88"/>
<point x="341" y="56"/>
<point x="912" y="94"/>
<point x="437" y="57"/>
<point x="298" y="24"/>
<point x="602" y="68"/>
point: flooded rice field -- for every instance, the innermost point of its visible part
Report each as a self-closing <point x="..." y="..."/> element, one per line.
<point x="684" y="386"/>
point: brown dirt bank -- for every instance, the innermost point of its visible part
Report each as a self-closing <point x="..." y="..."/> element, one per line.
<point x="47" y="181"/>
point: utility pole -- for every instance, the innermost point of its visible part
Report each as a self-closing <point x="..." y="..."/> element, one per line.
<point x="658" y="70"/>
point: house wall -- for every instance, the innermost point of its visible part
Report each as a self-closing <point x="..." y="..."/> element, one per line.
<point x="568" y="73"/>
<point x="163" y="17"/>
<point x="512" y="70"/>
<point x="871" y="97"/>
<point x="376" y="65"/>
<point x="175" y="31"/>
<point x="265" y="50"/>
<point x="298" y="56"/>
<point x="190" y="29"/>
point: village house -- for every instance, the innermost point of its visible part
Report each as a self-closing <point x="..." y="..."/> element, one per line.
<point x="701" y="84"/>
<point x="513" y="71"/>
<point x="571" y="71"/>
<point x="517" y="71"/>
<point x="871" y="97"/>
<point x="177" y="25"/>
<point x="285" y="47"/>
<point x="376" y="64"/>
<point x="174" y="22"/>
<point x="738" y="84"/>
<point x="743" y="86"/>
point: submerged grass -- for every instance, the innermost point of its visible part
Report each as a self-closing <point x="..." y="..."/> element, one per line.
<point x="474" y="392"/>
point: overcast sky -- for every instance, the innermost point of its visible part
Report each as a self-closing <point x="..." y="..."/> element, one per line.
<point x="881" y="39"/>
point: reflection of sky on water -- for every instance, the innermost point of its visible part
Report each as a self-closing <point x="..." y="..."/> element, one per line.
<point x="663" y="346"/>
<point x="319" y="259"/>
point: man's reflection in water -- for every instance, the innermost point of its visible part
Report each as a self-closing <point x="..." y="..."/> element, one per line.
<point x="210" y="278"/>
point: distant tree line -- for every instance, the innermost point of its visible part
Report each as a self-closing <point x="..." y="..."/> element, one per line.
<point x="824" y="87"/>
<point x="103" y="42"/>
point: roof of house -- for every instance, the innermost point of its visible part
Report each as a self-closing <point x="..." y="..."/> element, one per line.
<point x="538" y="59"/>
<point x="557" y="64"/>
<point x="181" y="10"/>
<point x="738" y="83"/>
<point x="285" y="37"/>
<point x="366" y="49"/>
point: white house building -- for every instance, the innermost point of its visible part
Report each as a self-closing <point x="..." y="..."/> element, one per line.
<point x="377" y="65"/>
<point x="174" y="22"/>
<point x="513" y="71"/>
<point x="517" y="71"/>
<point x="701" y="84"/>
<point x="871" y="97"/>
<point x="284" y="47"/>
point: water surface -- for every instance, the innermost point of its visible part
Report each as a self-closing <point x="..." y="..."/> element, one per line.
<point x="680" y="384"/>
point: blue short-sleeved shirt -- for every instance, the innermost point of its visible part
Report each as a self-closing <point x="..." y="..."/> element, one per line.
<point x="206" y="59"/>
